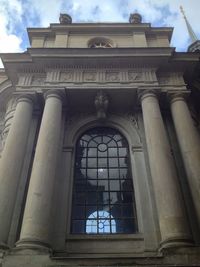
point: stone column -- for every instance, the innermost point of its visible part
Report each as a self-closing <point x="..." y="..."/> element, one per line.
<point x="189" y="142"/>
<point x="12" y="161"/>
<point x="36" y="226"/>
<point x="171" y="212"/>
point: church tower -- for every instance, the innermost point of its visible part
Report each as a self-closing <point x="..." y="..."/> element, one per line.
<point x="195" y="42"/>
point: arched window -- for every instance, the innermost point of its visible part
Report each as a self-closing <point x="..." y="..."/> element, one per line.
<point x="100" y="42"/>
<point x="103" y="196"/>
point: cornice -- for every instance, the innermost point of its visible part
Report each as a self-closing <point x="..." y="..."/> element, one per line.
<point x="86" y="52"/>
<point x="38" y="60"/>
<point x="186" y="56"/>
<point x="100" y="27"/>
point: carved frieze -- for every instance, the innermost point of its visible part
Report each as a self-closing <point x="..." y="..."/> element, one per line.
<point x="108" y="76"/>
<point x="134" y="76"/>
<point x="38" y="79"/>
<point x="67" y="76"/>
<point x="112" y="76"/>
<point x="90" y="76"/>
<point x="171" y="78"/>
<point x="53" y="75"/>
<point x="84" y="75"/>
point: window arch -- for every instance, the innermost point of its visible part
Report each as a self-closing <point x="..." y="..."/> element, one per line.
<point x="103" y="198"/>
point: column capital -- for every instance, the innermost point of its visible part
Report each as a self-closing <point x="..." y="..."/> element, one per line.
<point x="55" y="93"/>
<point x="25" y="97"/>
<point x="177" y="96"/>
<point x="142" y="94"/>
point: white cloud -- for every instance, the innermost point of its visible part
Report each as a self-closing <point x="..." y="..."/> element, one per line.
<point x="10" y="12"/>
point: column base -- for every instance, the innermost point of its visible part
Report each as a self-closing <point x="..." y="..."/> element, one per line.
<point x="176" y="242"/>
<point x="33" y="244"/>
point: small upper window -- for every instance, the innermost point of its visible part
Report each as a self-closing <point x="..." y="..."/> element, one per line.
<point x="100" y="43"/>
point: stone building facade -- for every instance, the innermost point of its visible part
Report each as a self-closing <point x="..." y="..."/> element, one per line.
<point x="100" y="148"/>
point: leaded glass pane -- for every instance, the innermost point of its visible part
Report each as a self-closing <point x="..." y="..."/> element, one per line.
<point x="103" y="201"/>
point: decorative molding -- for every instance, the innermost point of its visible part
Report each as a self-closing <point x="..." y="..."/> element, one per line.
<point x="90" y="76"/>
<point x="8" y="118"/>
<point x="25" y="79"/>
<point x="135" y="76"/>
<point x="1" y="130"/>
<point x="53" y="75"/>
<point x="11" y="105"/>
<point x="171" y="78"/>
<point x="136" y="149"/>
<point x="67" y="76"/>
<point x="112" y="76"/>
<point x="133" y="119"/>
<point x="38" y="79"/>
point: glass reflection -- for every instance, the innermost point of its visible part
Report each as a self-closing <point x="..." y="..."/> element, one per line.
<point x="92" y="152"/>
<point x="114" y="173"/>
<point x="102" y="173"/>
<point x="113" y="162"/>
<point x="102" y="163"/>
<point x="114" y="185"/>
<point x="123" y="152"/>
<point x="102" y="185"/>
<point x="112" y="152"/>
<point x="99" y="222"/>
<point x="123" y="162"/>
<point x="92" y="173"/>
<point x="103" y="198"/>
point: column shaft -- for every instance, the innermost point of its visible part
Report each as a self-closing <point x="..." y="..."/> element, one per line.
<point x="171" y="213"/>
<point x="189" y="142"/>
<point x="37" y="216"/>
<point x="12" y="161"/>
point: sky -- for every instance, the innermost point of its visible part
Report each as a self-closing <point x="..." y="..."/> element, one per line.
<point x="17" y="15"/>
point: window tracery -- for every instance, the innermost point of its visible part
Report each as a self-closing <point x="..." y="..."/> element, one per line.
<point x="103" y="199"/>
<point x="100" y="43"/>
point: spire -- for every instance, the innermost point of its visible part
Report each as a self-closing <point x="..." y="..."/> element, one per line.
<point x="192" y="35"/>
